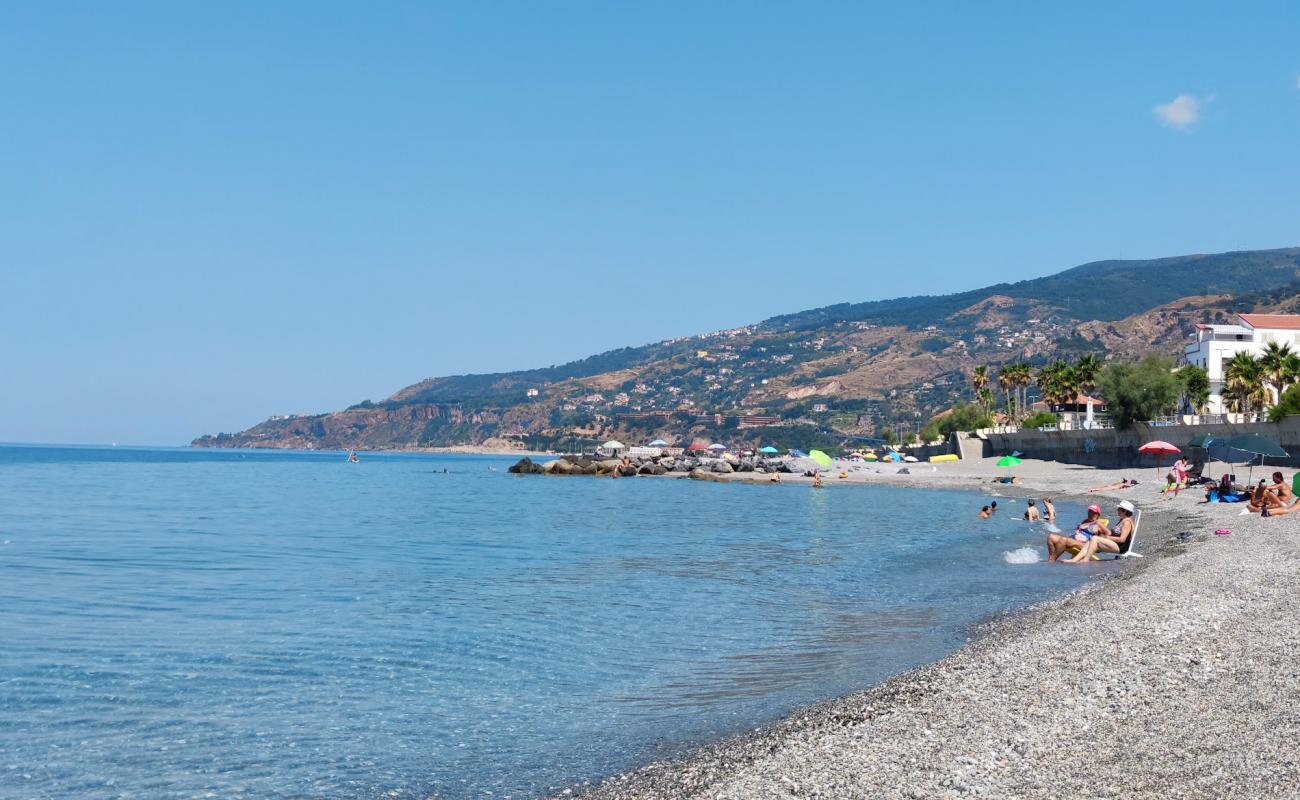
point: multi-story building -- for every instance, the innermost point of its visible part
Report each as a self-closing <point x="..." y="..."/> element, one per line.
<point x="1215" y="345"/>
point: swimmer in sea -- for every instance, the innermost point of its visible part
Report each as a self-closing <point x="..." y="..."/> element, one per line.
<point x="984" y="512"/>
<point x="1031" y="512"/>
<point x="1049" y="510"/>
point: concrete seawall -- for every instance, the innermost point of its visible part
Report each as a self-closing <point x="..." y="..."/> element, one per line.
<point x="1113" y="448"/>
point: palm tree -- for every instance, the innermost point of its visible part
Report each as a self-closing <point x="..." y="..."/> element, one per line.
<point x="1086" y="371"/>
<point x="1056" y="383"/>
<point x="1274" y="363"/>
<point x="979" y="379"/>
<point x="1013" y="378"/>
<point x="1244" y="376"/>
<point x="1006" y="381"/>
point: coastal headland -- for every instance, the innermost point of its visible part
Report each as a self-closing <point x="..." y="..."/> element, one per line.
<point x="1174" y="677"/>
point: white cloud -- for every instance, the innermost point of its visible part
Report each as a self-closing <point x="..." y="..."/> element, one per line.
<point x="1181" y="113"/>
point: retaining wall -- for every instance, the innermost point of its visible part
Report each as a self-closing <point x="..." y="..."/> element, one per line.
<point x="1113" y="448"/>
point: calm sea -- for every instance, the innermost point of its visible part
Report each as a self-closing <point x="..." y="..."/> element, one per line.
<point x="179" y="623"/>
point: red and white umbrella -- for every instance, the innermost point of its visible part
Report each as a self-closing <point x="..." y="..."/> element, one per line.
<point x="1158" y="448"/>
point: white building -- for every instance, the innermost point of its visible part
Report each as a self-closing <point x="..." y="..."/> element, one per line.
<point x="1215" y="345"/>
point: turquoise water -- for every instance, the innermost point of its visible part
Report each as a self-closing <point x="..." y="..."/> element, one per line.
<point x="185" y="623"/>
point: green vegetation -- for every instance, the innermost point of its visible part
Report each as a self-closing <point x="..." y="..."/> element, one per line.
<point x="1042" y="419"/>
<point x="1196" y="386"/>
<point x="1288" y="406"/>
<point x="1141" y="391"/>
<point x="963" y="417"/>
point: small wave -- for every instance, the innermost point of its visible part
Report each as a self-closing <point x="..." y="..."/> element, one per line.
<point x="1025" y="555"/>
<point x="1051" y="528"/>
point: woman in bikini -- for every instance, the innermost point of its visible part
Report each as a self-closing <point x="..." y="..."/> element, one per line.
<point x="1059" y="543"/>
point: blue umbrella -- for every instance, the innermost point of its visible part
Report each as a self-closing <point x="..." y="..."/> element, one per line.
<point x="798" y="454"/>
<point x="770" y="450"/>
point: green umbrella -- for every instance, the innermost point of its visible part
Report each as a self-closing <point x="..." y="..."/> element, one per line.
<point x="821" y="458"/>
<point x="1008" y="461"/>
<point x="1262" y="446"/>
<point x="1254" y="443"/>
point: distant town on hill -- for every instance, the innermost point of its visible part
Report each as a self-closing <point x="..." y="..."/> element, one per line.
<point x="822" y="376"/>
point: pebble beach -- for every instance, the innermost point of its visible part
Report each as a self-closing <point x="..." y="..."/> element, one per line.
<point x="1173" y="677"/>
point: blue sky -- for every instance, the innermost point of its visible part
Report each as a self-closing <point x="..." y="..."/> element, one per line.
<point x="209" y="215"/>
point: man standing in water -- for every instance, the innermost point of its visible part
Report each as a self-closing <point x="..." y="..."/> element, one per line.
<point x="1031" y="512"/>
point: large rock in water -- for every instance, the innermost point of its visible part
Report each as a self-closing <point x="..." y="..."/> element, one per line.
<point x="525" y="466"/>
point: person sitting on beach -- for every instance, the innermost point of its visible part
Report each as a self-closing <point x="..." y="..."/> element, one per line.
<point x="1031" y="511"/>
<point x="1276" y="500"/>
<point x="1111" y="541"/>
<point x="1124" y="483"/>
<point x="1049" y="510"/>
<point x="776" y="477"/>
<point x="984" y="512"/>
<point x="1058" y="544"/>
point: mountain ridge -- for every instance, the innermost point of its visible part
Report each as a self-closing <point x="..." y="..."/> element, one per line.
<point x="892" y="362"/>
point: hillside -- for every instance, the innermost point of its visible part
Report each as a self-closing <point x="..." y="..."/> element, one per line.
<point x="847" y="369"/>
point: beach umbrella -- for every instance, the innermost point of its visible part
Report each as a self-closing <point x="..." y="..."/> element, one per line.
<point x="769" y="450"/>
<point x="1158" y="449"/>
<point x="717" y="447"/>
<point x="658" y="443"/>
<point x="613" y="444"/>
<point x="798" y="454"/>
<point x="871" y="457"/>
<point x="696" y="446"/>
<point x="821" y="458"/>
<point x="1008" y="461"/>
<point x="1261" y="446"/>
<point x="911" y="459"/>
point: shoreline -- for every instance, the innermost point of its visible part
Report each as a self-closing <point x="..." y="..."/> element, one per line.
<point x="1111" y="689"/>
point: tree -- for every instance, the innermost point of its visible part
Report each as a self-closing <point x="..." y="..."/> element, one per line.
<point x="962" y="417"/>
<point x="1006" y="382"/>
<point x="1287" y="406"/>
<point x="1086" y="371"/>
<point x="889" y="435"/>
<point x="1139" y="392"/>
<point x="1039" y="420"/>
<point x="1196" y="386"/>
<point x="1021" y="376"/>
<point x="979" y="379"/>
<point x="1274" y="363"/>
<point x="1244" y="383"/>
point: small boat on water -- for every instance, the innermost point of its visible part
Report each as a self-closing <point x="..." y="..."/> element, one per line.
<point x="352" y="456"/>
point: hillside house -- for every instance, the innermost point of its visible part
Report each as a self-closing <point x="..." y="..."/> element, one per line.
<point x="1214" y="345"/>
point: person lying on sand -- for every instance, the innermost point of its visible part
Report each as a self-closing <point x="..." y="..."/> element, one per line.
<point x="1031" y="511"/>
<point x="1058" y="544"/>
<point x="1108" y="540"/>
<point x="1124" y="483"/>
